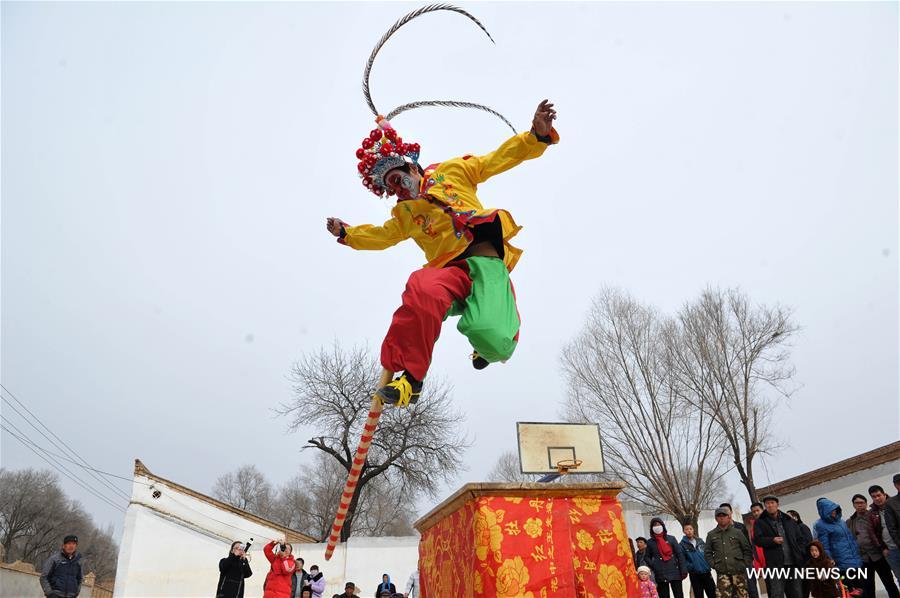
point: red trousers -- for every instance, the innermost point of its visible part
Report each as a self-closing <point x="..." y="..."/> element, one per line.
<point x="416" y="325"/>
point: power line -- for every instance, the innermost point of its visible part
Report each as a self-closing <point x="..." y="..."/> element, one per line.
<point x="28" y="443"/>
<point x="74" y="462"/>
<point x="60" y="468"/>
<point x="70" y="449"/>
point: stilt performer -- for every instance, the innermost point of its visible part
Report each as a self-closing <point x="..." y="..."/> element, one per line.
<point x="467" y="245"/>
<point x="467" y="248"/>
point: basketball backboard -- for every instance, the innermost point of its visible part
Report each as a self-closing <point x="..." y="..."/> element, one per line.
<point x="543" y="445"/>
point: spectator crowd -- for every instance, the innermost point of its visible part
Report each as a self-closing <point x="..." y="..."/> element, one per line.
<point x="839" y="557"/>
<point x="288" y="578"/>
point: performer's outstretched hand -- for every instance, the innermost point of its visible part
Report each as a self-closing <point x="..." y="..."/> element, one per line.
<point x="543" y="118"/>
<point x="334" y="226"/>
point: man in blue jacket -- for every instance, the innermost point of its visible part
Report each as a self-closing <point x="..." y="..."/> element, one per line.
<point x="839" y="542"/>
<point x="698" y="569"/>
<point x="61" y="575"/>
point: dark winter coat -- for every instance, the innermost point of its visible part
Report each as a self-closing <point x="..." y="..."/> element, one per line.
<point x="641" y="559"/>
<point x="835" y="536"/>
<point x="672" y="570"/>
<point x="822" y="586"/>
<point x="232" y="572"/>
<point x="728" y="551"/>
<point x="385" y="586"/>
<point x="61" y="576"/>
<point x="805" y="536"/>
<point x="765" y="530"/>
<point x="693" y="556"/>
<point x="892" y="518"/>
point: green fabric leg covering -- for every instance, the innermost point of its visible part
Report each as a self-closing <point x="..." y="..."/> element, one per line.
<point x="489" y="317"/>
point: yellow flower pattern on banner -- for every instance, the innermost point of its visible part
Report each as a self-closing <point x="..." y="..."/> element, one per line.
<point x="512" y="579"/>
<point x="531" y="547"/>
<point x="488" y="534"/>
<point x="534" y="527"/>
<point x="585" y="541"/>
<point x="588" y="506"/>
<point x="612" y="582"/>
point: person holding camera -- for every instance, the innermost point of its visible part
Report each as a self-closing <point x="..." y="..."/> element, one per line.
<point x="281" y="573"/>
<point x="233" y="569"/>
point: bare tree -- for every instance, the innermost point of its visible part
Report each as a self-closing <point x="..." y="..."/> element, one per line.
<point x="309" y="501"/>
<point x="508" y="469"/>
<point x="30" y="501"/>
<point x="35" y="515"/>
<point x="732" y="359"/>
<point x="620" y="374"/>
<point x="417" y="448"/>
<point x="245" y="488"/>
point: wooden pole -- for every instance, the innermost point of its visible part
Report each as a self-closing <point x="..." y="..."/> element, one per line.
<point x="356" y="468"/>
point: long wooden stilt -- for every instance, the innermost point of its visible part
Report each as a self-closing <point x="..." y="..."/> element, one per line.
<point x="358" y="461"/>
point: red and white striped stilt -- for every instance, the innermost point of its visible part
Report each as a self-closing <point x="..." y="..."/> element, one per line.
<point x="358" y="461"/>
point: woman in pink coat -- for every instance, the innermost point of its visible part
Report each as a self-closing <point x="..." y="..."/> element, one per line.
<point x="278" y="581"/>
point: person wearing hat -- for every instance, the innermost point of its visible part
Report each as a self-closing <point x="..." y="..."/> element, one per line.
<point x="646" y="587"/>
<point x="62" y="573"/>
<point x="752" y="583"/>
<point x="466" y="245"/>
<point x="728" y="551"/>
<point x="666" y="559"/>
<point x="782" y="543"/>
<point x="349" y="591"/>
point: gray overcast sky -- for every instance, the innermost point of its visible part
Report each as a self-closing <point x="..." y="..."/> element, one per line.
<point x="167" y="169"/>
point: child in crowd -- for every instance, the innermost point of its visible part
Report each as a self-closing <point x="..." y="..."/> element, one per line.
<point x="645" y="584"/>
<point x="825" y="585"/>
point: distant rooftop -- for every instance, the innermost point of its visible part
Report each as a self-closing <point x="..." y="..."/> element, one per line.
<point x="291" y="535"/>
<point x="875" y="457"/>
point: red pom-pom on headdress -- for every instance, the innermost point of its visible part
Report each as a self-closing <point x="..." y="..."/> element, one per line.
<point x="382" y="151"/>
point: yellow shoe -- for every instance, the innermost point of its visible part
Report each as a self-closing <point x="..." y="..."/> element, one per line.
<point x="402" y="392"/>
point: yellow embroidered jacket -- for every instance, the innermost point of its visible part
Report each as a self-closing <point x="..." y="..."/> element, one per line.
<point x="441" y="220"/>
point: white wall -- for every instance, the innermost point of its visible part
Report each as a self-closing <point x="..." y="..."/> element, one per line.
<point x="171" y="545"/>
<point x="840" y="490"/>
<point x="363" y="560"/>
<point x="22" y="584"/>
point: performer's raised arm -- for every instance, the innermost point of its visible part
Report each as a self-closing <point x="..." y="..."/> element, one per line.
<point x="516" y="149"/>
<point x="367" y="236"/>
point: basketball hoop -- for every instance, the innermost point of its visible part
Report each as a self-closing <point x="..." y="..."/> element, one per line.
<point x="564" y="465"/>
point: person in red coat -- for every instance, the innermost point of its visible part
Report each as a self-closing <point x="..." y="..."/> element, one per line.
<point x="278" y="580"/>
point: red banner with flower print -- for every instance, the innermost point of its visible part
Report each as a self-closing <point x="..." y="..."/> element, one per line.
<point x="529" y="547"/>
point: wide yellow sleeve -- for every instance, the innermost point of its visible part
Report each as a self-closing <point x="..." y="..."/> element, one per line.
<point x="369" y="236"/>
<point x="513" y="152"/>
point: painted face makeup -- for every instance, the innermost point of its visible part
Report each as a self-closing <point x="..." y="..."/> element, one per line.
<point x="403" y="185"/>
